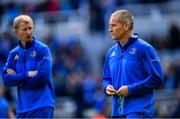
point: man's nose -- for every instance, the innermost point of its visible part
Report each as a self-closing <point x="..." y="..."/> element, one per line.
<point x="110" y="29"/>
<point x="28" y="31"/>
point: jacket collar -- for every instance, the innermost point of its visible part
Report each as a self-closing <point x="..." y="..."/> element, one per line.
<point x="28" y="44"/>
<point x="131" y="39"/>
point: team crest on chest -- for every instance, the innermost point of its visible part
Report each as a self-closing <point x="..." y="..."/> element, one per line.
<point x="33" y="54"/>
<point x="132" y="51"/>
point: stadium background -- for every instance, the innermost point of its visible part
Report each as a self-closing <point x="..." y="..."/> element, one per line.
<point x="76" y="32"/>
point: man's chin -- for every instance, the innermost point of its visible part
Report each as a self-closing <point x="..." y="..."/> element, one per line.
<point x="114" y="38"/>
<point x="29" y="38"/>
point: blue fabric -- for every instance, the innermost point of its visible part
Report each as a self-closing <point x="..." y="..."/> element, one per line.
<point x="43" y="112"/>
<point x="4" y="107"/>
<point x="33" y="92"/>
<point x="136" y="115"/>
<point x="137" y="65"/>
<point x="131" y="115"/>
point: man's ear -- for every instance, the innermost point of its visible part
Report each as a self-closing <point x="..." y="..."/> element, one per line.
<point x="126" y="27"/>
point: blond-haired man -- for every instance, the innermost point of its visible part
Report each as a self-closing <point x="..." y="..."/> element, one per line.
<point x="29" y="68"/>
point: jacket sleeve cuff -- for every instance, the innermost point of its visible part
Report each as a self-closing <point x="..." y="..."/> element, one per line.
<point x="130" y="89"/>
<point x="26" y="76"/>
<point x="104" y="88"/>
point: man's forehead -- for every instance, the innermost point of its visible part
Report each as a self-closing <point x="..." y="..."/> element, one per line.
<point x="113" y="19"/>
<point x="26" y="22"/>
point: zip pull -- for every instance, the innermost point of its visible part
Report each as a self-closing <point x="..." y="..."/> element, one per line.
<point x="122" y="52"/>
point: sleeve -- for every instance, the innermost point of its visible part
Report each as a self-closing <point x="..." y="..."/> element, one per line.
<point x="106" y="75"/>
<point x="12" y="79"/>
<point x="44" y="70"/>
<point x="152" y="67"/>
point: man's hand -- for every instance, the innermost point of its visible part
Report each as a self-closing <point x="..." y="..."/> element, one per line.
<point x="10" y="71"/>
<point x="110" y="90"/>
<point x="32" y="73"/>
<point x="122" y="91"/>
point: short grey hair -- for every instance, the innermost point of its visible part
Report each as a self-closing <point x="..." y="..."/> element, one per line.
<point x="125" y="17"/>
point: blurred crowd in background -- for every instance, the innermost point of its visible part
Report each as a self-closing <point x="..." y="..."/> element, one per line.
<point x="76" y="32"/>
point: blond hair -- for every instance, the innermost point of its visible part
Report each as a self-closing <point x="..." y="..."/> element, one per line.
<point x="21" y="18"/>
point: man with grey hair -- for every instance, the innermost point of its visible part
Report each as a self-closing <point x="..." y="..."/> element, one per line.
<point x="29" y="68"/>
<point x="132" y="70"/>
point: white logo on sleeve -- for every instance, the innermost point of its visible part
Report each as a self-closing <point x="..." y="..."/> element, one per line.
<point x="113" y="54"/>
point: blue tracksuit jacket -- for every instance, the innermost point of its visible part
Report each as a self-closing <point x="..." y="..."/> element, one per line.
<point x="136" y="64"/>
<point x="35" y="92"/>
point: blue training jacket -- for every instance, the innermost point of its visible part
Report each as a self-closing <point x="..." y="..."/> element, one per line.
<point x="35" y="92"/>
<point x="137" y="65"/>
